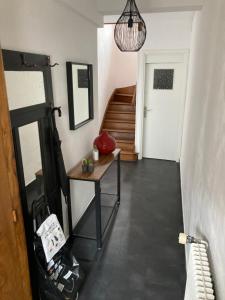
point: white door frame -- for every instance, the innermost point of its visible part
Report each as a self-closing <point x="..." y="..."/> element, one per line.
<point x="158" y="56"/>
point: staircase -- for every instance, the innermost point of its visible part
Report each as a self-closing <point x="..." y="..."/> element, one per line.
<point x="119" y="121"/>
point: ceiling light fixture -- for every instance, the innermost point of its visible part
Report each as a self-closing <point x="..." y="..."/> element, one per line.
<point x="130" y="30"/>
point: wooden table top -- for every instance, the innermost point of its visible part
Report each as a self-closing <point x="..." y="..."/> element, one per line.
<point x="100" y="167"/>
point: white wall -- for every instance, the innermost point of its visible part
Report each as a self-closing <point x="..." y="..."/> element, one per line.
<point x="203" y="155"/>
<point x="50" y="27"/>
<point x="168" y="30"/>
<point x="115" y="68"/>
<point x="86" y="9"/>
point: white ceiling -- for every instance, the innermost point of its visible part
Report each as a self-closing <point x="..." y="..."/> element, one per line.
<point x="94" y="10"/>
<point x="113" y="7"/>
<point x="85" y="8"/>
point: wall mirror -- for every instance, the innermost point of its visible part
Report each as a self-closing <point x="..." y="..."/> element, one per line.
<point x="80" y="94"/>
<point x="32" y="161"/>
<point x="31" y="153"/>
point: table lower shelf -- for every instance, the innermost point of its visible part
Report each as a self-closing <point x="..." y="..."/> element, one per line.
<point x="86" y="228"/>
<point x="84" y="234"/>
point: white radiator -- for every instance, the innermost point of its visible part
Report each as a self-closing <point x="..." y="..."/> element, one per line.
<point x="199" y="284"/>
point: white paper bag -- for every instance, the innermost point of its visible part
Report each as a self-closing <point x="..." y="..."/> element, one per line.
<point x="52" y="236"/>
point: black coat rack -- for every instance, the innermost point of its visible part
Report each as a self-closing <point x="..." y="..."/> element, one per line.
<point x="26" y="64"/>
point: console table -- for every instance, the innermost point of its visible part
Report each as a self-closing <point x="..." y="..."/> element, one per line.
<point x="100" y="168"/>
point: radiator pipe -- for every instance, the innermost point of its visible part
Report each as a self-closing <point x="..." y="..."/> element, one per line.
<point x="188" y="239"/>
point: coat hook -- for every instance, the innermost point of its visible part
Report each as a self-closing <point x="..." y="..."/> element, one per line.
<point x="26" y="64"/>
<point x="51" y="66"/>
<point x="58" y="109"/>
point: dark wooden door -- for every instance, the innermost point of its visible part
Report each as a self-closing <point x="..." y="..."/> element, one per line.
<point x="14" y="274"/>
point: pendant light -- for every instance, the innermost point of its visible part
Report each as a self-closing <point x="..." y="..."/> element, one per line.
<point x="130" y="30"/>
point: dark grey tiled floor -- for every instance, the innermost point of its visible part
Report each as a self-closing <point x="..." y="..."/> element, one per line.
<point x="142" y="259"/>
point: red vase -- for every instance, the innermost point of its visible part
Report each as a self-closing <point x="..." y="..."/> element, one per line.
<point x="105" y="143"/>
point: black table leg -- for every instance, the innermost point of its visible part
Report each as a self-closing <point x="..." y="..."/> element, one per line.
<point x="98" y="214"/>
<point x="118" y="178"/>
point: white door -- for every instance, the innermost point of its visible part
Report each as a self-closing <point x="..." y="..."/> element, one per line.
<point x="163" y="94"/>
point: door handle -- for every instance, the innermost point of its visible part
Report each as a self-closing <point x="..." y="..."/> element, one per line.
<point x="146" y="110"/>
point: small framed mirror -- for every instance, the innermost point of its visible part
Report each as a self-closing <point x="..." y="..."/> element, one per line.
<point x="80" y="94"/>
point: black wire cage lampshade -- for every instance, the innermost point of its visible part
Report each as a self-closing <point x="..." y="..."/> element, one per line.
<point x="130" y="30"/>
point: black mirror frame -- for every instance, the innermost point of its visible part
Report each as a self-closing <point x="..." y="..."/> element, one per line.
<point x="71" y="98"/>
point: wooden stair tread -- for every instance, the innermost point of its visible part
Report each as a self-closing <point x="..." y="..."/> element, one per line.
<point x="121" y="103"/>
<point x="121" y="112"/>
<point x="129" y="156"/>
<point x="125" y="141"/>
<point x="127" y="152"/>
<point x="122" y="94"/>
<point x="118" y="112"/>
<point x="120" y="121"/>
<point x="119" y="130"/>
<point x="121" y="107"/>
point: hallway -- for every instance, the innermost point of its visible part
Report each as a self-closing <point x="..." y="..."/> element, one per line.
<point x="142" y="259"/>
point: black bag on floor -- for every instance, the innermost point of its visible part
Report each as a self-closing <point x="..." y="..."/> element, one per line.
<point x="61" y="278"/>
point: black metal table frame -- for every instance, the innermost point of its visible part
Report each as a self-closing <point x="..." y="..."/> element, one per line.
<point x="98" y="214"/>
